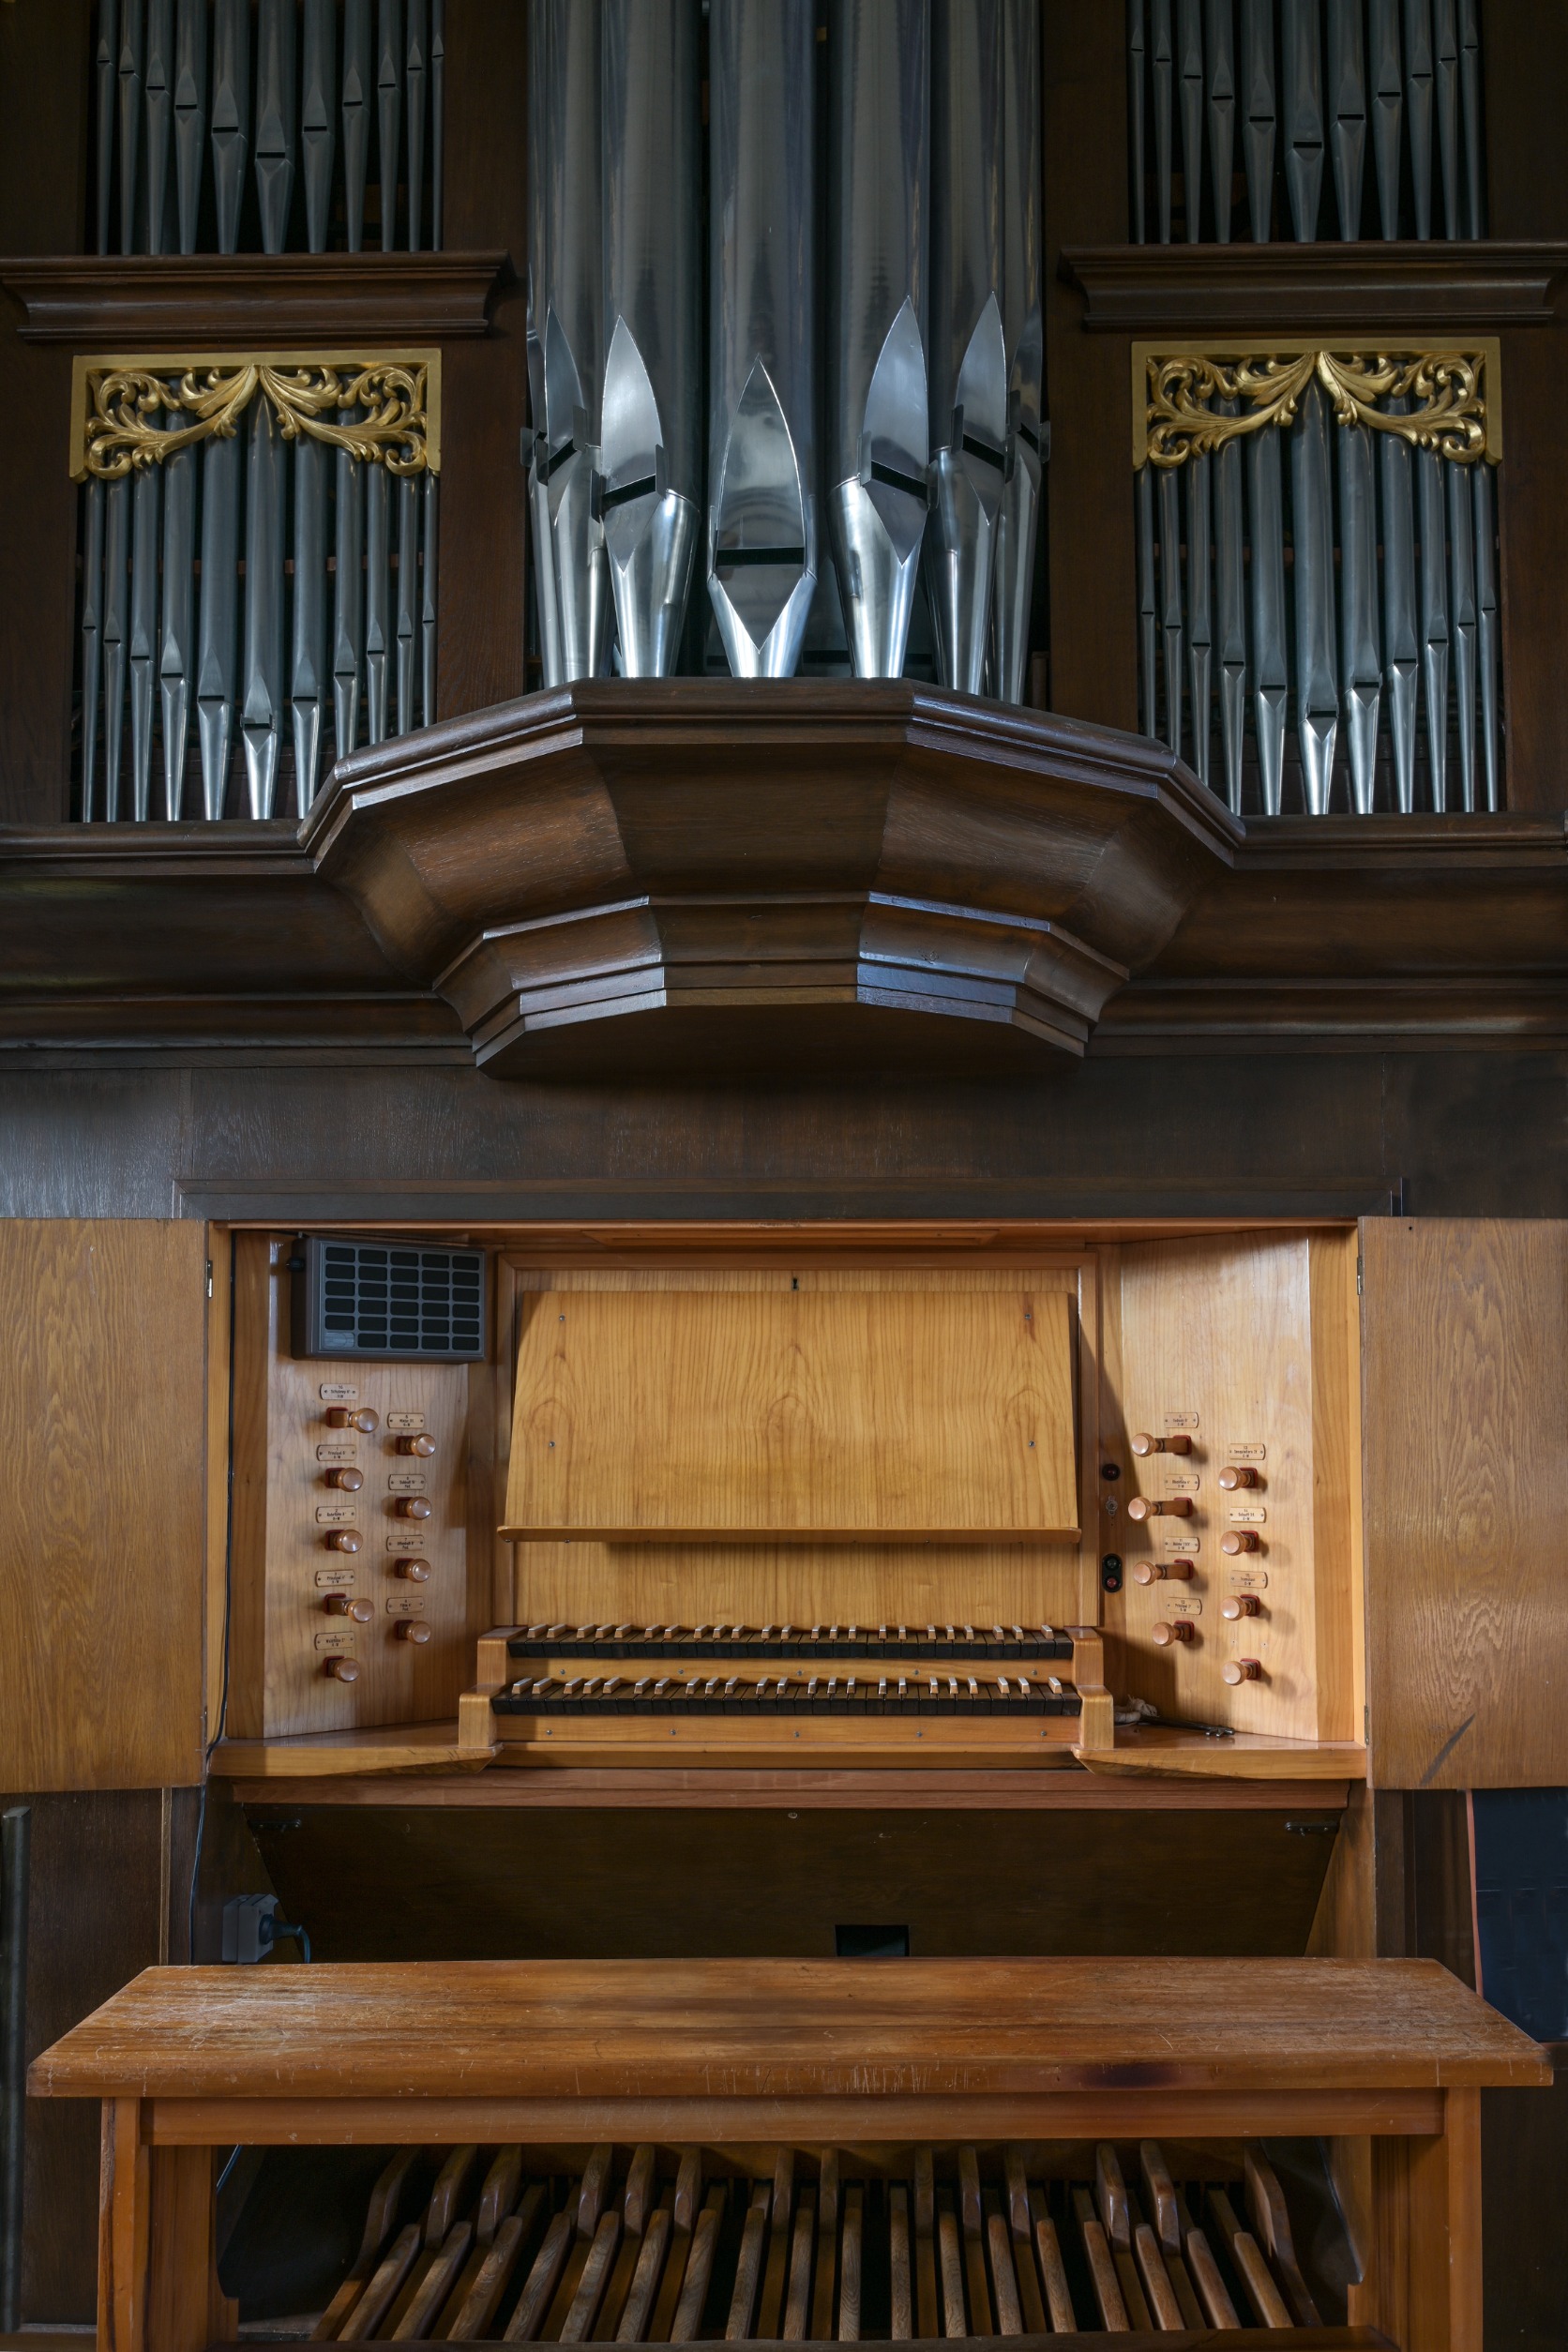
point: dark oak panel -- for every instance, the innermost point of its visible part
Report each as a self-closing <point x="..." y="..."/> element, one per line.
<point x="185" y="302"/>
<point x="1250" y="290"/>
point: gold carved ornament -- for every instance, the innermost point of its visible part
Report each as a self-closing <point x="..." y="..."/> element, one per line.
<point x="118" y="405"/>
<point x="1449" y="413"/>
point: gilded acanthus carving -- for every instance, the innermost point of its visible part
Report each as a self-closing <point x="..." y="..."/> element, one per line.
<point x="1193" y="403"/>
<point x="129" y="414"/>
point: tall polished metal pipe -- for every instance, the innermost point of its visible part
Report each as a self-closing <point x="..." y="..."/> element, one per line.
<point x="160" y="75"/>
<point x="966" y="344"/>
<point x="1359" y="652"/>
<point x="878" y="202"/>
<point x="1230" y="598"/>
<point x="1147" y="679"/>
<point x="762" y="518"/>
<point x="1189" y="63"/>
<point x="389" y="113"/>
<point x="262" y="703"/>
<point x="116" y="560"/>
<point x="348" y="600"/>
<point x="1401" y="624"/>
<point x="1270" y="669"/>
<point x="651" y="441"/>
<point x="131" y="67"/>
<point x="1347" y="112"/>
<point x="1312" y="535"/>
<point x="1200" y="620"/>
<point x="1173" y="612"/>
<point x="1023" y="335"/>
<point x="1220" y="46"/>
<point x="1301" y="110"/>
<point x="1446" y="59"/>
<point x="1462" y="603"/>
<point x="92" y="636"/>
<point x="220" y="609"/>
<point x="276" y="116"/>
<point x="231" y="115"/>
<point x="1138" y="133"/>
<point x="1388" y="109"/>
<point x="415" y="82"/>
<point x="1162" y="67"/>
<point x="141" y="639"/>
<point x="104" y="75"/>
<point x="1260" y="112"/>
<point x="1469" y="87"/>
<point x="318" y="97"/>
<point x="190" y="114"/>
<point x="569" y="552"/>
<point x="1434" y="616"/>
<point x="1487" y="646"/>
<point x="308" y="668"/>
<point x="1418" y="108"/>
<point x="356" y="117"/>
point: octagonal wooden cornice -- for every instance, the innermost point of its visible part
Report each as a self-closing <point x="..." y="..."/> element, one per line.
<point x="706" y="876"/>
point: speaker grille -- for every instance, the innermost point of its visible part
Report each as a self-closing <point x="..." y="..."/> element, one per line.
<point x="375" y="1299"/>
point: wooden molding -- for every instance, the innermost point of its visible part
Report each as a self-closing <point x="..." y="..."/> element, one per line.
<point x="254" y="300"/>
<point x="1252" y="290"/>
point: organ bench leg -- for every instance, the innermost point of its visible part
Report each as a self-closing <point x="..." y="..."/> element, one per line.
<point x="157" y="2265"/>
<point x="1425" y="2283"/>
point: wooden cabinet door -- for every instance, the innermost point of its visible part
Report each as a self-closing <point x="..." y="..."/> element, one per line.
<point x="102" y="1434"/>
<point x="1465" y="1468"/>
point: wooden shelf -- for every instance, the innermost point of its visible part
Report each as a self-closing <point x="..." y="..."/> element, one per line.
<point x="1255" y="290"/>
<point x="1161" y="1750"/>
<point x="260" y="300"/>
<point x="425" y="1747"/>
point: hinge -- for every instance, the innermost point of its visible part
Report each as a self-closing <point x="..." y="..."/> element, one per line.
<point x="1357" y="1277"/>
<point x="209" y="1277"/>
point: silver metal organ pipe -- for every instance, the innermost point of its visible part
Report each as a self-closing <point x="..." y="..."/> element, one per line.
<point x="389" y="108"/>
<point x="1162" y="71"/>
<point x="763" y="438"/>
<point x="416" y="84"/>
<point x="1189" y="61"/>
<point x="116" y="555"/>
<point x="104" y="61"/>
<point x="1200" y="622"/>
<point x="1230" y="597"/>
<point x="231" y="115"/>
<point x="1445" y="60"/>
<point x="1312" y="531"/>
<point x="1138" y="131"/>
<point x="356" y="117"/>
<point x="307" y="668"/>
<point x="875" y="429"/>
<point x="1023" y="335"/>
<point x="92" y="637"/>
<point x="1434" y="617"/>
<point x="220" y="613"/>
<point x="348" y="603"/>
<point x="1258" y="112"/>
<point x="1359" y="652"/>
<point x="967" y="355"/>
<point x="1172" y="630"/>
<point x="131" y="65"/>
<point x="142" y="640"/>
<point x="1388" y="109"/>
<point x="1148" y="676"/>
<point x="1220" y="46"/>
<point x="277" y="100"/>
<point x="1487" y="642"/>
<point x="1301" y="88"/>
<point x="1270" y="669"/>
<point x="1418" y="107"/>
<point x="160" y="75"/>
<point x="431" y="501"/>
<point x="261" y="704"/>
<point x="378" y="618"/>
<point x="1347" y="93"/>
<point x="317" y="103"/>
<point x="1401" y="623"/>
<point x="408" y="608"/>
<point x="438" y="118"/>
<point x="176" y="660"/>
<point x="547" y="601"/>
<point x="571" y="571"/>
<point x="190" y="114"/>
<point x="1462" y="611"/>
<point x="651" y="439"/>
<point x="1469" y="91"/>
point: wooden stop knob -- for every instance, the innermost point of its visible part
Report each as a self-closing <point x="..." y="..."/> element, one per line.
<point x="1143" y="1444"/>
<point x="1237" y="1474"/>
<point x="1165" y="1635"/>
<point x="420" y="1445"/>
<point x="351" y="1481"/>
<point x="412" y="1507"/>
<point x="1143" y="1507"/>
<point x="1241" y="1670"/>
<point x="1156" y="1571"/>
<point x="349" y="1417"/>
<point x="1237" y="1538"/>
<point x="343" y="1539"/>
<point x="342" y="1669"/>
<point x="411" y="1629"/>
<point x="416" y="1571"/>
<point x="339" y="1604"/>
<point x="1240" y="1604"/>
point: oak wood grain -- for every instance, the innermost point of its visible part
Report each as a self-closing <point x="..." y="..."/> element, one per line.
<point x="102" y="1570"/>
<point x="1465" y="1336"/>
<point x="907" y="1415"/>
<point x="706" y="2030"/>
